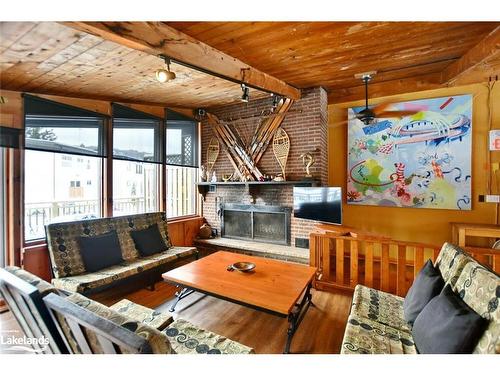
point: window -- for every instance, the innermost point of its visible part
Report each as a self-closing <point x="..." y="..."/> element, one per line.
<point x="53" y="193"/>
<point x="182" y="165"/>
<point x="137" y="157"/>
<point x="182" y="143"/>
<point x="181" y="191"/>
<point x="64" y="146"/>
<point x="134" y="193"/>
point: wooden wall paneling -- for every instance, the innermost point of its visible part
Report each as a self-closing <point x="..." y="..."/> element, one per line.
<point x="98" y="106"/>
<point x="427" y="226"/>
<point x="176" y="233"/>
<point x="36" y="260"/>
<point x="191" y="229"/>
<point x="10" y="113"/>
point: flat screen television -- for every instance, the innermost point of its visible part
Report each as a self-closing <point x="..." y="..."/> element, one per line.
<point x="318" y="203"/>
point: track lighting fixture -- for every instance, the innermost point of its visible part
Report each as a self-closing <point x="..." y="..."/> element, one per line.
<point x="276" y="100"/>
<point x="164" y="75"/>
<point x="246" y="93"/>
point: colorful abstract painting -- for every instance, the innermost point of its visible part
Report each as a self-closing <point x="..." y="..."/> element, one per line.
<point x="421" y="160"/>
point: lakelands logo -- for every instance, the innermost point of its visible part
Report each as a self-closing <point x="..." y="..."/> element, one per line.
<point x="13" y="343"/>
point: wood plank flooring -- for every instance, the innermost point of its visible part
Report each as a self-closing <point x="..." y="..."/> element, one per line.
<point x="321" y="331"/>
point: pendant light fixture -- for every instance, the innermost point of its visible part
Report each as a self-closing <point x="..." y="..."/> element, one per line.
<point x="164" y="75"/>
<point x="245" y="97"/>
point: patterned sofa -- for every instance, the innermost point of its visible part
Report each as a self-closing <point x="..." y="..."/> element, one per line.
<point x="376" y="323"/>
<point x="67" y="264"/>
<point x="164" y="334"/>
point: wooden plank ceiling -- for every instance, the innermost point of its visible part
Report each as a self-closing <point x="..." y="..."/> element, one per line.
<point x="56" y="59"/>
<point x="51" y="58"/>
<point x="329" y="54"/>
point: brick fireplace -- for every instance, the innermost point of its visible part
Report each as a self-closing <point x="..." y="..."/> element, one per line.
<point x="306" y="125"/>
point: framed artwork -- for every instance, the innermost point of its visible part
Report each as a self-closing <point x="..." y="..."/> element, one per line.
<point x="422" y="160"/>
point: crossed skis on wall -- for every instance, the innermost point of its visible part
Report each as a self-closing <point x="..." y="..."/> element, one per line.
<point x="244" y="158"/>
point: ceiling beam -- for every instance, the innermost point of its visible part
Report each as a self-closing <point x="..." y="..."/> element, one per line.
<point x="157" y="38"/>
<point x="487" y="48"/>
<point x="386" y="88"/>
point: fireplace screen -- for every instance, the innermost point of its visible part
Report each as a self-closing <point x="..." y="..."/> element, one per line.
<point x="237" y="223"/>
<point x="258" y="223"/>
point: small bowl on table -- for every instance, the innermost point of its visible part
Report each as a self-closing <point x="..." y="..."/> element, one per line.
<point x="242" y="267"/>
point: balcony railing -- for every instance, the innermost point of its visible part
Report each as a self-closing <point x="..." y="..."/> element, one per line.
<point x="37" y="215"/>
<point x="133" y="205"/>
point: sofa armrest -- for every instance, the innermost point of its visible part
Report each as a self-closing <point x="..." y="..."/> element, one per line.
<point x="142" y="314"/>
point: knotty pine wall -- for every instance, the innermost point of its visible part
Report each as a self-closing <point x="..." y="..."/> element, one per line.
<point x="415" y="224"/>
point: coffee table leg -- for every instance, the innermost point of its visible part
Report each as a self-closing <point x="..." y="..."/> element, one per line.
<point x="180" y="295"/>
<point x="296" y="316"/>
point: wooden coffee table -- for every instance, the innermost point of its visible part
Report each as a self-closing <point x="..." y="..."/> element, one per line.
<point x="276" y="287"/>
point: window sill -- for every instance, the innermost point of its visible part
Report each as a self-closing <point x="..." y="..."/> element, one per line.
<point x="181" y="219"/>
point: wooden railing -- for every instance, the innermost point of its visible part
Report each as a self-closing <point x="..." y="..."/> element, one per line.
<point x="343" y="261"/>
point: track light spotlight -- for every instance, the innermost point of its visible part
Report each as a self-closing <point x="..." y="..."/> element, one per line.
<point x="165" y="75"/>
<point x="276" y="100"/>
<point x="245" y="97"/>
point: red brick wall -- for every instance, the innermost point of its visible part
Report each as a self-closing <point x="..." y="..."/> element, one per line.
<point x="306" y="125"/>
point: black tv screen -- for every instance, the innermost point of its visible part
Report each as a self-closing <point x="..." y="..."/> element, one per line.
<point x="318" y="203"/>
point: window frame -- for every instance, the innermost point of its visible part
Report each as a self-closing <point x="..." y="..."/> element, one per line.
<point x="120" y="123"/>
<point x="101" y="200"/>
<point x="180" y="125"/>
<point x="103" y="154"/>
<point x="197" y="199"/>
<point x="106" y="168"/>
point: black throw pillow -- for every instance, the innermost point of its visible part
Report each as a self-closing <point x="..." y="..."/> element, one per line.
<point x="447" y="325"/>
<point x="100" y="251"/>
<point x="426" y="286"/>
<point x="149" y="241"/>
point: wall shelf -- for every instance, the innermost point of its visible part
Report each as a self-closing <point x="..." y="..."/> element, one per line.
<point x="253" y="186"/>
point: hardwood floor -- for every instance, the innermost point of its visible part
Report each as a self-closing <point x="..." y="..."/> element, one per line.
<point x="9" y="328"/>
<point x="321" y="331"/>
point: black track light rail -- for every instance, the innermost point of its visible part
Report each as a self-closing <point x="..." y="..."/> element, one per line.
<point x="213" y="74"/>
